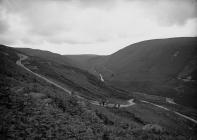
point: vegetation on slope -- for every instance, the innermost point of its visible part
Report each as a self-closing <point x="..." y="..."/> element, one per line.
<point x="165" y="67"/>
<point x="30" y="108"/>
<point x="75" y="79"/>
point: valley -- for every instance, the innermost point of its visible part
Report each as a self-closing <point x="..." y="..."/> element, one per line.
<point x="130" y="102"/>
<point x="48" y="98"/>
<point x="23" y="57"/>
<point x="98" y="70"/>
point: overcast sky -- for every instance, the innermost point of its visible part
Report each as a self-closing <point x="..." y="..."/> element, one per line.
<point x="93" y="26"/>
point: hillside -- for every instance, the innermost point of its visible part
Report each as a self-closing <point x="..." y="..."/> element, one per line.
<point x="47" y="55"/>
<point x="82" y="59"/>
<point x="54" y="67"/>
<point x="155" y="60"/>
<point x="165" y="67"/>
<point x="32" y="108"/>
<point x="87" y="62"/>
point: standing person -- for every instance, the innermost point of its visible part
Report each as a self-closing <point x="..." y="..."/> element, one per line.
<point x="118" y="105"/>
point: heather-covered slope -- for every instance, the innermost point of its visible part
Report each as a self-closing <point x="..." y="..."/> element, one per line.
<point x="153" y="60"/>
<point x="75" y="79"/>
<point x="166" y="67"/>
<point x="47" y="55"/>
<point x="32" y="108"/>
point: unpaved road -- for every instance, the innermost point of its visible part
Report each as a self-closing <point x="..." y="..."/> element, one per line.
<point x="177" y="113"/>
<point x="23" y="57"/>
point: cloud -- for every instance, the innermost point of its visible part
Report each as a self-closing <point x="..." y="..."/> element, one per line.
<point x="3" y="26"/>
<point x="170" y="12"/>
<point x="101" y="26"/>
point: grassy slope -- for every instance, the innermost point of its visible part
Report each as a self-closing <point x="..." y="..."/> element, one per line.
<point x="74" y="78"/>
<point x="153" y="59"/>
<point x="82" y="60"/>
<point x="55" y="115"/>
<point x="153" y="67"/>
<point x="88" y="62"/>
<point x="54" y="57"/>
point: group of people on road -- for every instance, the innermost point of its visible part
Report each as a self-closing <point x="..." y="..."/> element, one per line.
<point x="107" y="103"/>
<point x="102" y="102"/>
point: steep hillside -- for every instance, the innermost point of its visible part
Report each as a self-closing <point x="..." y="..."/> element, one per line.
<point x="47" y="55"/>
<point x="155" y="60"/>
<point x="32" y="108"/>
<point x="166" y="67"/>
<point x="87" y="62"/>
<point x="54" y="67"/>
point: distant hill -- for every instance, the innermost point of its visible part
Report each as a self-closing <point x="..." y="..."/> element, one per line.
<point x="164" y="67"/>
<point x="82" y="58"/>
<point x="47" y="55"/>
<point x="90" y="63"/>
<point x="83" y="61"/>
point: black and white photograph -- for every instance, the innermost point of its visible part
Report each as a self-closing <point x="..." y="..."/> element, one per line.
<point x="98" y="69"/>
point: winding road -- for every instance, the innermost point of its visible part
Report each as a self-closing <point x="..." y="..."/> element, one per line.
<point x="24" y="57"/>
<point x="177" y="113"/>
<point x="129" y="102"/>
